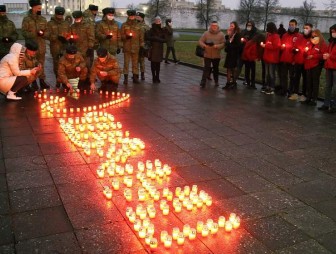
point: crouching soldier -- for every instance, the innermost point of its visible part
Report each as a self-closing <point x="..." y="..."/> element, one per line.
<point x="106" y="68"/>
<point x="72" y="65"/>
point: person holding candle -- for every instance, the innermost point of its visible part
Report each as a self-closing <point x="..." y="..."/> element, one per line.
<point x="133" y="39"/>
<point x="13" y="75"/>
<point x="34" y="27"/>
<point x="213" y="42"/>
<point x="142" y="54"/>
<point x="107" y="32"/>
<point x="313" y="65"/>
<point x="71" y="66"/>
<point x="288" y="51"/>
<point x="329" y="57"/>
<point x="8" y="33"/>
<point x="106" y="68"/>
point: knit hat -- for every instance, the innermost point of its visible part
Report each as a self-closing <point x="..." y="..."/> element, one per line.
<point x="131" y="13"/>
<point x="31" y="45"/>
<point x="59" y="10"/>
<point x="93" y="7"/>
<point x="102" y="52"/>
<point x="77" y="14"/>
<point x="71" y="50"/>
<point x="108" y="10"/>
<point x="140" y="14"/>
<point x="33" y="3"/>
<point x="2" y="8"/>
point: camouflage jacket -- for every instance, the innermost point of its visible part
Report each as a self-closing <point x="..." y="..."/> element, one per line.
<point x="104" y="28"/>
<point x="58" y="28"/>
<point x="132" y="45"/>
<point x="84" y="36"/>
<point x="7" y="30"/>
<point x="89" y="17"/>
<point x="67" y="67"/>
<point x="31" y="24"/>
<point x="111" y="66"/>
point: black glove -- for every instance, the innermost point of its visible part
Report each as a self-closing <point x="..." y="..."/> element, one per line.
<point x="295" y="51"/>
<point x="118" y="50"/>
<point x="89" y="52"/>
<point x="109" y="36"/>
<point x="227" y="37"/>
<point x="62" y="39"/>
<point x="40" y="33"/>
<point x="7" y="39"/>
<point x="129" y="37"/>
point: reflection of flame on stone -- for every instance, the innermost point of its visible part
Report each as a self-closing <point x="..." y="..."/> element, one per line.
<point x="97" y="132"/>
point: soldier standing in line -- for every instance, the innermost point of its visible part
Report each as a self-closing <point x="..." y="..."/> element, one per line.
<point x="58" y="29"/>
<point x="141" y="19"/>
<point x="106" y="68"/>
<point x="72" y="65"/>
<point x="107" y="32"/>
<point x="89" y="16"/>
<point x="34" y="27"/>
<point x="133" y="38"/>
<point x="82" y="36"/>
<point x="8" y="34"/>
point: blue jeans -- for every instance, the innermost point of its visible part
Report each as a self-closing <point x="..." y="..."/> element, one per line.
<point x="330" y="79"/>
<point x="270" y="74"/>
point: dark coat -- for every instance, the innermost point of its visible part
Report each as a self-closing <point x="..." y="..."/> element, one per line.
<point x="232" y="49"/>
<point x="156" y="36"/>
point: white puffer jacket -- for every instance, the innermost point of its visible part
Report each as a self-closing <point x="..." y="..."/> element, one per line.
<point x="9" y="68"/>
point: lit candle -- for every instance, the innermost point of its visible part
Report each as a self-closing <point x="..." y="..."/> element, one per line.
<point x="100" y="172"/>
<point x="128" y="194"/>
<point x="175" y="233"/>
<point x="205" y="231"/>
<point x="137" y="224"/>
<point x="163" y="236"/>
<point x="200" y="226"/>
<point x="180" y="238"/>
<point x="186" y="230"/>
<point x="107" y="192"/>
<point x="115" y="184"/>
<point x="236" y="223"/>
<point x="228" y="226"/>
<point x="168" y="241"/>
<point x="150" y="229"/>
<point x="153" y="243"/>
<point x="192" y="234"/>
<point x="214" y="228"/>
<point x="178" y="208"/>
<point x="142" y="232"/>
<point x="148" y="238"/>
<point x="221" y="221"/>
<point x="208" y="201"/>
<point x="165" y="210"/>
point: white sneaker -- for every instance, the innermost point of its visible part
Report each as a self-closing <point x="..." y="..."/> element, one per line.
<point x="293" y="97"/>
<point x="302" y="98"/>
<point x="12" y="96"/>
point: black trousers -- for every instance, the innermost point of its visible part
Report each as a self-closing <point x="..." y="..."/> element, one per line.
<point x="155" y="68"/>
<point x="285" y="70"/>
<point x="172" y="49"/>
<point x="207" y="68"/>
<point x="250" y="69"/>
<point x="20" y="81"/>
<point x="313" y="82"/>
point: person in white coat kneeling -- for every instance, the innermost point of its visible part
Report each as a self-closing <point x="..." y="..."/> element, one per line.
<point x="13" y="73"/>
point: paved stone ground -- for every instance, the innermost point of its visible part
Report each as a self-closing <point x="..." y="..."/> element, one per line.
<point x="270" y="160"/>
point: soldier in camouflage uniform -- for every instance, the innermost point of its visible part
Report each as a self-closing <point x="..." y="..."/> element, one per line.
<point x="107" y="32"/>
<point x="141" y="19"/>
<point x="106" y="68"/>
<point x="82" y="36"/>
<point x="58" y="29"/>
<point x="72" y="65"/>
<point x="89" y="16"/>
<point x="34" y="27"/>
<point x="8" y="34"/>
<point x="133" y="38"/>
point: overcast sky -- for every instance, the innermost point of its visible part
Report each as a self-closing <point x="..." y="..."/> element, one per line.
<point x="234" y="4"/>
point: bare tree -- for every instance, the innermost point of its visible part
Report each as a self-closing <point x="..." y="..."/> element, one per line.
<point x="160" y="8"/>
<point x="247" y="11"/>
<point x="267" y="11"/>
<point x="331" y="5"/>
<point x="131" y="6"/>
<point x="306" y="11"/>
<point x="206" y="12"/>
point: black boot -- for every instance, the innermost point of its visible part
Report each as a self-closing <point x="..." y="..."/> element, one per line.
<point x="43" y="84"/>
<point x="142" y="76"/>
<point x="125" y="79"/>
<point x="34" y="86"/>
<point x="136" y="78"/>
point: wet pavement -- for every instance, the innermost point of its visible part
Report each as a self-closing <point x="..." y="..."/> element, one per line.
<point x="269" y="160"/>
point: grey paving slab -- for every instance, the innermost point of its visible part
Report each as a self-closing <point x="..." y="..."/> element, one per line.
<point x="21" y="151"/>
<point x="6" y="233"/>
<point x="328" y="241"/>
<point x="58" y="243"/>
<point x="7" y="249"/>
<point x="310" y="246"/>
<point x="4" y="203"/>
<point x="28" y="179"/>
<point x="3" y="183"/>
<point x="30" y="163"/>
<point x="327" y="207"/>
<point x="2" y="166"/>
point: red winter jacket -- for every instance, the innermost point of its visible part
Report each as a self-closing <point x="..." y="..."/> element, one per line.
<point x="250" y="52"/>
<point x="287" y="44"/>
<point x="316" y="51"/>
<point x="299" y="47"/>
<point x="330" y="63"/>
<point x="272" y="48"/>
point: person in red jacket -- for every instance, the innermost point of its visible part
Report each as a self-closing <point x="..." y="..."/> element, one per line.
<point x="313" y="65"/>
<point x="271" y="56"/>
<point x="298" y="49"/>
<point x="287" y="56"/>
<point x="252" y="52"/>
<point x="329" y="57"/>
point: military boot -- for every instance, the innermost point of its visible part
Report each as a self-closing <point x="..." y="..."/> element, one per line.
<point x="125" y="79"/>
<point x="43" y="84"/>
<point x="136" y="78"/>
<point x="142" y="76"/>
